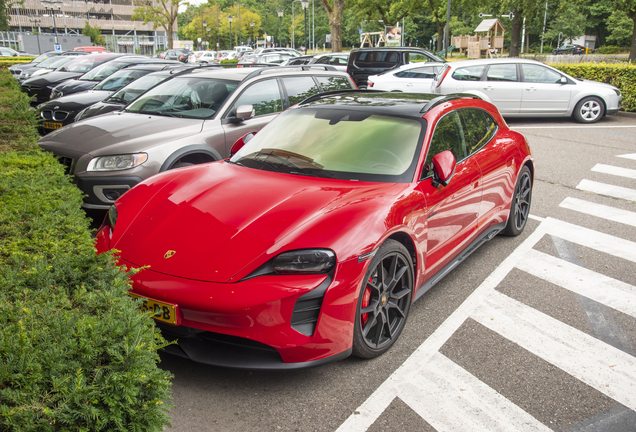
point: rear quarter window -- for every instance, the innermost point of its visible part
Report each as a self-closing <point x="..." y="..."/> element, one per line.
<point x="377" y="59"/>
<point x="470" y="73"/>
<point x="333" y="83"/>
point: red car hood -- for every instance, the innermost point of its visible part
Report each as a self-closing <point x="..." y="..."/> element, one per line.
<point x="219" y="218"/>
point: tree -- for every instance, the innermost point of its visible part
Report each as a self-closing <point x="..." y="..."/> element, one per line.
<point x="162" y="13"/>
<point x="334" y="9"/>
<point x="570" y="22"/>
<point x="621" y="27"/>
<point x="95" y="34"/>
<point x="629" y="7"/>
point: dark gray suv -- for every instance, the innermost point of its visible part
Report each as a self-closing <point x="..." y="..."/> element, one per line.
<point x="193" y="118"/>
<point x="364" y="62"/>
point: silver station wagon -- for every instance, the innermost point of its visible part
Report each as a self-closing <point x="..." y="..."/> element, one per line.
<point x="192" y="118"/>
<point x="528" y="88"/>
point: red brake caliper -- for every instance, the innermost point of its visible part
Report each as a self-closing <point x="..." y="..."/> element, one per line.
<point x="366" y="298"/>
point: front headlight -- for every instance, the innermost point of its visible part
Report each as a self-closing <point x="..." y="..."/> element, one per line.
<point x="305" y="261"/>
<point x="80" y="114"/>
<point x="618" y="92"/>
<point x="116" y="162"/>
<point x="56" y="94"/>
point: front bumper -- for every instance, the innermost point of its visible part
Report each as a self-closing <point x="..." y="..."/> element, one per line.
<point x="101" y="192"/>
<point x="255" y="323"/>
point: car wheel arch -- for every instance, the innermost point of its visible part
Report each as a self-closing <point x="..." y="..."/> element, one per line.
<point x="202" y="152"/>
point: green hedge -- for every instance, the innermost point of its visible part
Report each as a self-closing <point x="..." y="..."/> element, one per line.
<point x="6" y="62"/>
<point x="76" y="354"/>
<point x="622" y="76"/>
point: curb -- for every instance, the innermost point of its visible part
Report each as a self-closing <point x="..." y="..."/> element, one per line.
<point x="626" y="114"/>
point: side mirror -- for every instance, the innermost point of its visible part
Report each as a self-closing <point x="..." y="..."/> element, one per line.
<point x="241" y="142"/>
<point x="443" y="168"/>
<point x="563" y="80"/>
<point x="244" y="112"/>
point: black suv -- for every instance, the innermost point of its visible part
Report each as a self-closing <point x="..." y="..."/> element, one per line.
<point x="364" y="62"/>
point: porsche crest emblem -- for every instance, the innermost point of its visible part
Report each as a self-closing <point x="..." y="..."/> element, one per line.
<point x="169" y="254"/>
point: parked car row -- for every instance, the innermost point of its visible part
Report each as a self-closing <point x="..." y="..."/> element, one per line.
<point x="285" y="218"/>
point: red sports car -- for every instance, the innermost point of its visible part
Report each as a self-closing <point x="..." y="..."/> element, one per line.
<point x="311" y="242"/>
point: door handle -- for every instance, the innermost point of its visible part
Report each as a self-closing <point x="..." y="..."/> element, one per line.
<point x="531" y="89"/>
<point x="488" y="88"/>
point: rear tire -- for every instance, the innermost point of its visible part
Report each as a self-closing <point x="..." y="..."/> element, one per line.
<point x="384" y="301"/>
<point x="520" y="205"/>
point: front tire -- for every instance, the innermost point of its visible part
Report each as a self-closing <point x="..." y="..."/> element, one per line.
<point x="384" y="301"/>
<point x="589" y="110"/>
<point x="520" y="205"/>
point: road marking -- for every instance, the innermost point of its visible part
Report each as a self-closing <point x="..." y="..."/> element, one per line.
<point x="615" y="171"/>
<point x="599" y="210"/>
<point x="628" y="156"/>
<point x="607" y="189"/>
<point x="599" y="365"/>
<point x="600" y="288"/>
<point x="611" y="369"/>
<point x="452" y="399"/>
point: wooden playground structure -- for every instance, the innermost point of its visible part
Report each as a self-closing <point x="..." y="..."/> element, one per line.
<point x="486" y="38"/>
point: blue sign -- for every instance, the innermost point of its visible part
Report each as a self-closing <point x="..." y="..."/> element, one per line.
<point x="360" y="30"/>
<point x="58" y="47"/>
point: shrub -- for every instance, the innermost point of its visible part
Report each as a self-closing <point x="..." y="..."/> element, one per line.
<point x="622" y="76"/>
<point x="610" y="50"/>
<point x="76" y="354"/>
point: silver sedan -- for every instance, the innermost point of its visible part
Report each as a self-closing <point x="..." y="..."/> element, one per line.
<point x="528" y="88"/>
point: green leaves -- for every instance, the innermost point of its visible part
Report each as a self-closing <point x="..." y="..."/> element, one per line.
<point x="76" y="353"/>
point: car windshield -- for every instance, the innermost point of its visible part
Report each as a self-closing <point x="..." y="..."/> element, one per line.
<point x="189" y="97"/>
<point x="134" y="89"/>
<point x="82" y="64"/>
<point x="42" y="57"/>
<point x="336" y="143"/>
<point x="103" y="71"/>
<point x="120" y="79"/>
<point x="56" y="62"/>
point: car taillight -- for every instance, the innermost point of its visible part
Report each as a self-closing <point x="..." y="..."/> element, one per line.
<point x="369" y="84"/>
<point x="441" y="78"/>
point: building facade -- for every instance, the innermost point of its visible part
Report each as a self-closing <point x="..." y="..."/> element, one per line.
<point x="113" y="17"/>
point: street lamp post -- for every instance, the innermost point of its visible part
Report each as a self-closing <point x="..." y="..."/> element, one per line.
<point x="36" y="21"/>
<point x="204" y="24"/>
<point x="230" y="19"/>
<point x="252" y="27"/>
<point x="280" y="25"/>
<point x="218" y="30"/>
<point x="305" y="4"/>
<point x="207" y="36"/>
<point x="240" y="24"/>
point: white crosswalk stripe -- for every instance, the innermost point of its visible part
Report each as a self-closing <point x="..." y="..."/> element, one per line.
<point x="615" y="171"/>
<point x="607" y="189"/>
<point x="599" y="210"/>
<point x="628" y="156"/>
<point x="451" y="399"/>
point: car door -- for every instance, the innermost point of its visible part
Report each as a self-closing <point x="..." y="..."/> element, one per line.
<point x="299" y="88"/>
<point x="543" y="91"/>
<point x="266" y="98"/>
<point x="451" y="212"/>
<point x="419" y="80"/>
<point x="496" y="163"/>
<point x="501" y="85"/>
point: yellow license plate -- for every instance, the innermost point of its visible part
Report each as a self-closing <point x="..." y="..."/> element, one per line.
<point x="52" y="125"/>
<point x="164" y="312"/>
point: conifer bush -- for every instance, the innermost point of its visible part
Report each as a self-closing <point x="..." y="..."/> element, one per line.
<point x="76" y="354"/>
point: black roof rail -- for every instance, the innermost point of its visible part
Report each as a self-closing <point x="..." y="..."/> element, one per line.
<point x="445" y="98"/>
<point x="337" y="92"/>
<point x="303" y="67"/>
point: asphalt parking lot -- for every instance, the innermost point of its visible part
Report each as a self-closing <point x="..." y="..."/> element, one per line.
<point x="536" y="332"/>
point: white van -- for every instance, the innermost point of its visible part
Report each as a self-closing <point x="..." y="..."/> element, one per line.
<point x="242" y="48"/>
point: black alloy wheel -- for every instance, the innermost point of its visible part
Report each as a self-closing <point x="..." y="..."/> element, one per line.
<point x="520" y="206"/>
<point x="384" y="301"/>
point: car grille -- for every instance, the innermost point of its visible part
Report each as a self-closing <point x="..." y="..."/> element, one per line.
<point x="67" y="162"/>
<point x="46" y="115"/>
<point x="60" y="115"/>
